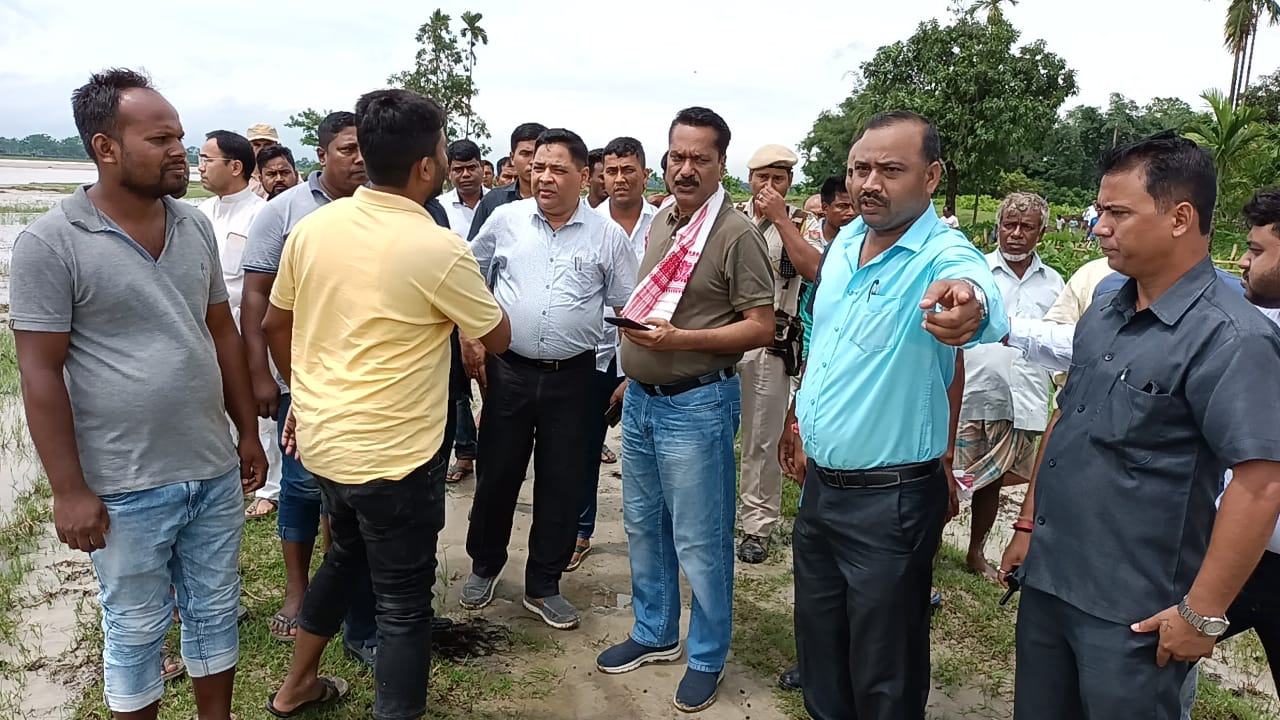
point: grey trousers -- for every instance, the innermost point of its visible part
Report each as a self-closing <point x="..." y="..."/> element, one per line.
<point x="1074" y="666"/>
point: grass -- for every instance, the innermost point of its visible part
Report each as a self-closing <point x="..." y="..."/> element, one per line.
<point x="194" y="190"/>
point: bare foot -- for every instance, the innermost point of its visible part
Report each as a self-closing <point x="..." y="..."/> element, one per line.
<point x="978" y="565"/>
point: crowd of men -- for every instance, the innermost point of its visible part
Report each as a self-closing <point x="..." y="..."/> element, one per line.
<point x="339" y="324"/>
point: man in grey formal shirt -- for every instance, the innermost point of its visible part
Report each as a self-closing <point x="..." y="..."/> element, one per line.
<point x="554" y="264"/>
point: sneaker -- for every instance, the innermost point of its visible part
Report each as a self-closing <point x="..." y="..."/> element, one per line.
<point x="754" y="549"/>
<point x="697" y="690"/>
<point x="790" y="680"/>
<point x="629" y="655"/>
<point x="477" y="592"/>
<point x="366" y="655"/>
<point x="554" y="611"/>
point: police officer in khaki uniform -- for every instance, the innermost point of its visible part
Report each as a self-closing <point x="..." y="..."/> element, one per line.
<point x="766" y="373"/>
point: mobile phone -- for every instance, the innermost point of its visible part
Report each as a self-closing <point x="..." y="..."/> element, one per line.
<point x="627" y="323"/>
<point x="613" y="415"/>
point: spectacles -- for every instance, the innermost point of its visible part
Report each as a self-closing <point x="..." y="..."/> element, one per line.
<point x="205" y="159"/>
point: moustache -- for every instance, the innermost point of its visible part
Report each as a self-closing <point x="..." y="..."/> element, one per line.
<point x="872" y="199"/>
<point x="688" y="182"/>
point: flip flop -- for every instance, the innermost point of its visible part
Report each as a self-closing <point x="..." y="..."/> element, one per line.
<point x="457" y="473"/>
<point x="580" y="553"/>
<point x="281" y="625"/>
<point x="255" y="511"/>
<point x="168" y="657"/>
<point x="607" y="457"/>
<point x="332" y="689"/>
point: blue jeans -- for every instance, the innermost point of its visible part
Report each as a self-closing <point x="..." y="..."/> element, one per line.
<point x="186" y="535"/>
<point x="678" y="502"/>
<point x="299" y="522"/>
<point x="298" y="515"/>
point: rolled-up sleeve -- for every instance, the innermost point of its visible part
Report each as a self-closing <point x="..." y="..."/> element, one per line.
<point x="1233" y="403"/>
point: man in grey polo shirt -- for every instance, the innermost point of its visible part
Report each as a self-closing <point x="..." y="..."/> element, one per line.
<point x="554" y="264"/>
<point x="299" y="511"/>
<point x="1126" y="574"/>
<point x="130" y="363"/>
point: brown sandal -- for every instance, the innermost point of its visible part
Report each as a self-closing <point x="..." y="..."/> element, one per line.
<point x="580" y="552"/>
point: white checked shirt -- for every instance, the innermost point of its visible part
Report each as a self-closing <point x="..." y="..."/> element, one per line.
<point x="460" y="216"/>
<point x="999" y="383"/>
<point x="607" y="350"/>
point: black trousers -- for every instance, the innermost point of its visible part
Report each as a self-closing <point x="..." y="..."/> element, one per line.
<point x="558" y="408"/>
<point x="1074" y="666"/>
<point x="863" y="566"/>
<point x="1257" y="608"/>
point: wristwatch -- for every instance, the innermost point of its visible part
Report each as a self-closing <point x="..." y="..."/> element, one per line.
<point x="978" y="294"/>
<point x="1209" y="626"/>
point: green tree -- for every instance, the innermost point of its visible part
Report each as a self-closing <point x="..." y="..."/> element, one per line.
<point x="992" y="100"/>
<point x="308" y="121"/>
<point x="1229" y="134"/>
<point x="441" y="72"/>
<point x="826" y="147"/>
<point x="1167" y="114"/>
<point x="990" y="8"/>
<point x="1240" y="37"/>
<point x="474" y="34"/>
<point x="1265" y="94"/>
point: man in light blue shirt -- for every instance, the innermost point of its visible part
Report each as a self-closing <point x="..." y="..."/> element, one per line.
<point x="877" y="412"/>
<point x="554" y="265"/>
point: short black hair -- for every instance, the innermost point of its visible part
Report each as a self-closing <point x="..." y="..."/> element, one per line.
<point x="525" y="133"/>
<point x="95" y="103"/>
<point x="463" y="151"/>
<point x="1177" y="170"/>
<point x="626" y="147"/>
<point x="1263" y="209"/>
<point x="831" y="187"/>
<point x="595" y="156"/>
<point x="502" y="162"/>
<point x="486" y="163"/>
<point x="666" y="154"/>
<point x="273" y="151"/>
<point x="702" y="117"/>
<point x="568" y="138"/>
<point x="398" y="128"/>
<point x="333" y="124"/>
<point x="235" y="146"/>
<point x="931" y="147"/>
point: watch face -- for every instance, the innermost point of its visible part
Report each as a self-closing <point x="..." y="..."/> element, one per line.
<point x="1214" y="628"/>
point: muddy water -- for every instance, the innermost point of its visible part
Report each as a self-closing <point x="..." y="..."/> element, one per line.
<point x="18" y="464"/>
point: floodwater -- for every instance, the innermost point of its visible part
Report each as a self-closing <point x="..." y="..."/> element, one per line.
<point x="18" y="463"/>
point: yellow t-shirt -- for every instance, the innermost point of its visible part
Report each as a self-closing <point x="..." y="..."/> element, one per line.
<point x="375" y="287"/>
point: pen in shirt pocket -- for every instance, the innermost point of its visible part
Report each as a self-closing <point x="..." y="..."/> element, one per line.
<point x="875" y="289"/>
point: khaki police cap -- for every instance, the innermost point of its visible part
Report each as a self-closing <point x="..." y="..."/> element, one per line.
<point x="777" y="156"/>
<point x="262" y="131"/>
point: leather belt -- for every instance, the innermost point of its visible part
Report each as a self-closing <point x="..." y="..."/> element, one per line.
<point x="683" y="386"/>
<point x="882" y="477"/>
<point x="583" y="360"/>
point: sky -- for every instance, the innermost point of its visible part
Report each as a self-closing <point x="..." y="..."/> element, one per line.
<point x="600" y="69"/>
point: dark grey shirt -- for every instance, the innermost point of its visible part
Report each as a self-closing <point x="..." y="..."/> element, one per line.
<point x="491" y="201"/>
<point x="1157" y="405"/>
<point x="141" y="370"/>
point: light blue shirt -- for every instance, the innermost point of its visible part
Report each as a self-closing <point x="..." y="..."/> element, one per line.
<point x="875" y="389"/>
<point x="555" y="284"/>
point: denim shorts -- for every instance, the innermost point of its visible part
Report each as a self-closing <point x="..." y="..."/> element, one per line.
<point x="187" y="535"/>
<point x="298" y="514"/>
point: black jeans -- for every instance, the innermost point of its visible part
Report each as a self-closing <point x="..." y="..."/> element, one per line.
<point x="386" y="529"/>
<point x="1074" y="666"/>
<point x="462" y="426"/>
<point x="558" y="407"/>
<point x="863" y="565"/>
<point x="1257" y="608"/>
<point x="606" y="383"/>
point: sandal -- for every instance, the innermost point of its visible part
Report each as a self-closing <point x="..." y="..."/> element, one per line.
<point x="606" y="456"/>
<point x="332" y="689"/>
<point x="260" y="508"/>
<point x="458" y="473"/>
<point x="580" y="553"/>
<point x="283" y="627"/>
<point x="170" y="658"/>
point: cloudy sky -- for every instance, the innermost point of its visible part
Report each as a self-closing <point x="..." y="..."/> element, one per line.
<point x="601" y="69"/>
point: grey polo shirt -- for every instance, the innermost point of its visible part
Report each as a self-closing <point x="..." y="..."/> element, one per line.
<point x="555" y="284"/>
<point x="1157" y="405"/>
<point x="141" y="370"/>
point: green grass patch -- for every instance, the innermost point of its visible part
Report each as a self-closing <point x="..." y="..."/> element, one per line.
<point x="194" y="190"/>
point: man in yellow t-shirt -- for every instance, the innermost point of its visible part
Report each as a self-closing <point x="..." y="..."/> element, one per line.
<point x="369" y="291"/>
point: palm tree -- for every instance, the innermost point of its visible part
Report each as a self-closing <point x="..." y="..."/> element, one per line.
<point x="1240" y="37"/>
<point x="475" y="35"/>
<point x="1228" y="133"/>
<point x="990" y="7"/>
<point x="1271" y="9"/>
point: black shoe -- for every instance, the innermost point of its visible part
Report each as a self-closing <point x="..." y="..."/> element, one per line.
<point x="363" y="654"/>
<point x="790" y="680"/>
<point x="754" y="549"/>
<point x="441" y="624"/>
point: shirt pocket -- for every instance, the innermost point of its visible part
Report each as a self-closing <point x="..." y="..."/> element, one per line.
<point x="873" y="327"/>
<point x="233" y="254"/>
<point x="578" y="277"/>
<point x="1131" y="422"/>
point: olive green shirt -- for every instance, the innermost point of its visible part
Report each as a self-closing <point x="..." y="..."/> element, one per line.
<point x="732" y="275"/>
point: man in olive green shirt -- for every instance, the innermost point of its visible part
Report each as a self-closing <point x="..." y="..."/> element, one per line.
<point x="680" y="417"/>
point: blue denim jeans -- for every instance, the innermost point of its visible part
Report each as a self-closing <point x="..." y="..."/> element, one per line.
<point x="186" y="535"/>
<point x="678" y="502"/>
<point x="298" y="515"/>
